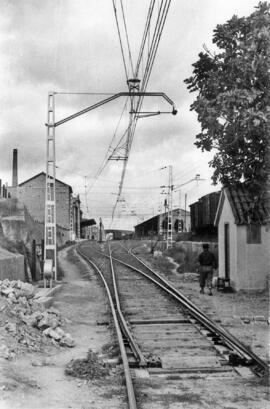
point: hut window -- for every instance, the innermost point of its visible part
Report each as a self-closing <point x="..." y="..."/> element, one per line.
<point x="254" y="234"/>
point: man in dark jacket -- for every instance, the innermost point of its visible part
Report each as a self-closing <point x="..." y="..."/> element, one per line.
<point x="207" y="262"/>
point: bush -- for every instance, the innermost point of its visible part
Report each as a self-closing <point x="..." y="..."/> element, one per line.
<point x="186" y="258"/>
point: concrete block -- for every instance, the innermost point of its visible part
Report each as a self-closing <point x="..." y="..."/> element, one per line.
<point x="52" y="291"/>
<point x="260" y="318"/>
<point x="141" y="373"/>
<point x="45" y="301"/>
<point x="244" y="371"/>
<point x="11" y="265"/>
<point x="47" y="292"/>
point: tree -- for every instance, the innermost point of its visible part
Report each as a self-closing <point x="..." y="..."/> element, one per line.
<point x="233" y="101"/>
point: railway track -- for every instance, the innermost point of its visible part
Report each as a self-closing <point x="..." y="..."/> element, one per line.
<point x="160" y="332"/>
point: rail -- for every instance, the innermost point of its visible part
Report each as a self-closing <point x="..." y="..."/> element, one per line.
<point x="135" y="348"/>
<point x="128" y="378"/>
<point x="228" y="338"/>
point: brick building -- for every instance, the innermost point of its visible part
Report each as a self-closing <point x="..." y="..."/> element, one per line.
<point x="68" y="214"/>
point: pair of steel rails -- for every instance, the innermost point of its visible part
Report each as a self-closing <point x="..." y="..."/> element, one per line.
<point x="240" y="352"/>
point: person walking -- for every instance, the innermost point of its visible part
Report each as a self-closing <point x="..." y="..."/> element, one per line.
<point x="207" y="262"/>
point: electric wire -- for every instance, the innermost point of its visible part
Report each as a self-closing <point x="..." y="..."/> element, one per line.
<point x="162" y="15"/>
<point x="105" y="161"/>
<point x="145" y="34"/>
<point x="106" y="158"/>
<point x="127" y="38"/>
<point x="152" y="47"/>
<point x="120" y="40"/>
<point x="128" y="146"/>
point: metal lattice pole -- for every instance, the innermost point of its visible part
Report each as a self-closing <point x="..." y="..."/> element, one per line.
<point x="71" y="232"/>
<point x="170" y="193"/>
<point x="50" y="199"/>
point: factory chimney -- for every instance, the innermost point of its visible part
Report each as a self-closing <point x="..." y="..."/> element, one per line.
<point x="15" y="168"/>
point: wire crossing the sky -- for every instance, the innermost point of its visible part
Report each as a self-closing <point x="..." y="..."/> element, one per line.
<point x="162" y="13"/>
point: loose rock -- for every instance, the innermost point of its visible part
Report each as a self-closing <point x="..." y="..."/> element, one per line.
<point x="67" y="340"/>
<point x="27" y="323"/>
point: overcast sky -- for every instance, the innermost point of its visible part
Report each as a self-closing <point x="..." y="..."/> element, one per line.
<point x="73" y="46"/>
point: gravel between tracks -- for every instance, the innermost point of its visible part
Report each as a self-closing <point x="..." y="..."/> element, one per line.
<point x="207" y="391"/>
<point x="245" y="314"/>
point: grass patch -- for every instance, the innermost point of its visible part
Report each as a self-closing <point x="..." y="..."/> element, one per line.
<point x="90" y="367"/>
<point x="119" y="391"/>
<point x="111" y="349"/>
<point x="186" y="258"/>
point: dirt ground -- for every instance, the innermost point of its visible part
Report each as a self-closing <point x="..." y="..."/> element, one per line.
<point x="245" y="314"/>
<point x="38" y="380"/>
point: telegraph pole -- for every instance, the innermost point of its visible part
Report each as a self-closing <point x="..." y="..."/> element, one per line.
<point x="180" y="214"/>
<point x="170" y="200"/>
<point x="185" y="224"/>
<point x="50" y="244"/>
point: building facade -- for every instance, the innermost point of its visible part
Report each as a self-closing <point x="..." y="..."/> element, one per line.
<point x="203" y="214"/>
<point x="68" y="215"/>
<point x="243" y="239"/>
<point x="89" y="229"/>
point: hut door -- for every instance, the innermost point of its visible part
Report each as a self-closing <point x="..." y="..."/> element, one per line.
<point x="227" y="249"/>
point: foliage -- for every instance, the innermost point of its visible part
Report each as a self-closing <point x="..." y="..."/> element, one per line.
<point x="233" y="101"/>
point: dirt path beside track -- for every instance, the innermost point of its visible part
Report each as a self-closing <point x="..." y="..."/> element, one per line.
<point x="38" y="380"/>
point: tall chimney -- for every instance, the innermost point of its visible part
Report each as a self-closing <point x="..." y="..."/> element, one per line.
<point x="15" y="168"/>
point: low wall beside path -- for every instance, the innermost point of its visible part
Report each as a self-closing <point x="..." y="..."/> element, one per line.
<point x="11" y="266"/>
<point x="190" y="252"/>
<point x="196" y="247"/>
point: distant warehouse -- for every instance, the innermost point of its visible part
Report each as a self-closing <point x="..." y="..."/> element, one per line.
<point x="203" y="213"/>
<point x="157" y="225"/>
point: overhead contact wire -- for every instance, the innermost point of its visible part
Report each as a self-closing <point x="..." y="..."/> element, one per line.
<point x="120" y="40"/>
<point x="146" y="30"/>
<point x="161" y="18"/>
<point x="127" y="38"/>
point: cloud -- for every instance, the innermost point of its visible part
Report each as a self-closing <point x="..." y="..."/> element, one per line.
<point x="67" y="45"/>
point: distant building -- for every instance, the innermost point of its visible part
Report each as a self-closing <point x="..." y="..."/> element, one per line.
<point x="68" y="214"/>
<point x="202" y="214"/>
<point x="243" y="239"/>
<point x="88" y="229"/>
<point x="118" y="234"/>
<point x="157" y="225"/>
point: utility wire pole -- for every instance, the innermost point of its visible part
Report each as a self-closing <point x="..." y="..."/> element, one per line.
<point x="170" y="202"/>
<point x="50" y="251"/>
<point x="50" y="243"/>
<point x="180" y="225"/>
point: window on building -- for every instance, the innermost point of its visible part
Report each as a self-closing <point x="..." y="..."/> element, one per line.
<point x="254" y="234"/>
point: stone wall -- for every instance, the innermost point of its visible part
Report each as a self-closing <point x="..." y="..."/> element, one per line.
<point x="195" y="247"/>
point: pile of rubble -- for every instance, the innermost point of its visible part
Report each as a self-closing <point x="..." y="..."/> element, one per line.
<point x="25" y="323"/>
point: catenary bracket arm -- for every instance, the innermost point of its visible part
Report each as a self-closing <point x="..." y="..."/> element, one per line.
<point x="105" y="101"/>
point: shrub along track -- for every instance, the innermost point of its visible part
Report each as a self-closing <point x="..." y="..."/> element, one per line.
<point x="170" y="335"/>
